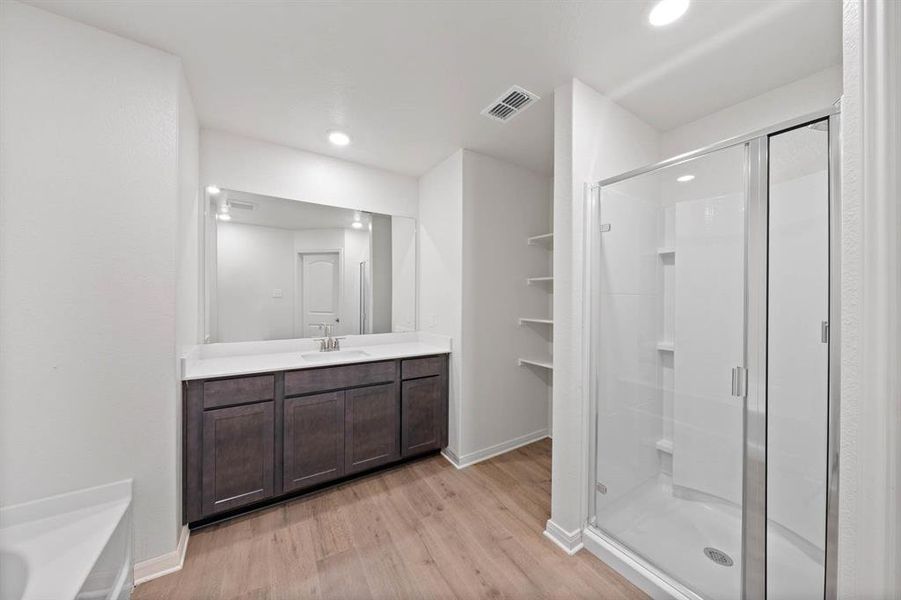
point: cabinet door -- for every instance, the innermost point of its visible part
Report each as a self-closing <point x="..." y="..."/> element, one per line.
<point x="371" y="426"/>
<point x="314" y="440"/>
<point x="421" y="415"/>
<point x="238" y="456"/>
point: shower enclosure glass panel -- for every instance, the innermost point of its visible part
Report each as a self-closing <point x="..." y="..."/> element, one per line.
<point x="670" y="315"/>
<point x="797" y="361"/>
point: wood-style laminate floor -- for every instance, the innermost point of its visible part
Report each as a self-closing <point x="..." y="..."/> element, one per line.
<point x="422" y="530"/>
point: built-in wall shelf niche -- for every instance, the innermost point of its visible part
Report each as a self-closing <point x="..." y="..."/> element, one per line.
<point x="529" y="320"/>
<point x="542" y="364"/>
<point x="666" y="346"/>
<point x="545" y="239"/>
<point x="539" y="280"/>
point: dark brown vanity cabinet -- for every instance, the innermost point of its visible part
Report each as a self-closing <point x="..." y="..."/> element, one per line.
<point x="238" y="458"/>
<point x="255" y="438"/>
<point x="422" y="418"/>
<point x="313" y="440"/>
<point x="371" y="427"/>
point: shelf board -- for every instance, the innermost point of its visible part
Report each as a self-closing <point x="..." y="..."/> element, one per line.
<point x="665" y="445"/>
<point x="532" y="280"/>
<point x="545" y="239"/>
<point x="665" y="251"/>
<point x="536" y="363"/>
<point x="666" y="346"/>
<point x="524" y="320"/>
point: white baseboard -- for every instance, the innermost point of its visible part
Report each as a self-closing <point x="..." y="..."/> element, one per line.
<point x="569" y="541"/>
<point x="165" y="564"/>
<point x="478" y="456"/>
<point x="639" y="574"/>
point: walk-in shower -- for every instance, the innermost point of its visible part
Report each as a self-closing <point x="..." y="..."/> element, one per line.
<point x="713" y="330"/>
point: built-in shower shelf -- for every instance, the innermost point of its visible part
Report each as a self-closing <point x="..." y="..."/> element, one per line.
<point x="534" y="280"/>
<point x="666" y="346"/>
<point x="545" y="239"/>
<point x="536" y="363"/>
<point x="526" y="320"/>
<point x="665" y="446"/>
<point x="666" y="251"/>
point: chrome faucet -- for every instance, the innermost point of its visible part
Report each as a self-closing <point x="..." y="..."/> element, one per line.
<point x="328" y="343"/>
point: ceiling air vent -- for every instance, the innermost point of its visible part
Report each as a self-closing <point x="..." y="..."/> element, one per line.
<point x="514" y="101"/>
<point x="241" y="204"/>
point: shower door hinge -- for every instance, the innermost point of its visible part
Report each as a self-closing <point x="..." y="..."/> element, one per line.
<point x="593" y="521"/>
<point x="824" y="332"/>
<point x="605" y="227"/>
<point x="600" y="487"/>
<point x="739" y="382"/>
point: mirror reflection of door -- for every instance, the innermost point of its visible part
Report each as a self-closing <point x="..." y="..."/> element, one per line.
<point x="319" y="284"/>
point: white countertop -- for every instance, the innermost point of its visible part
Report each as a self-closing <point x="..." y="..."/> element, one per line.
<point x="243" y="358"/>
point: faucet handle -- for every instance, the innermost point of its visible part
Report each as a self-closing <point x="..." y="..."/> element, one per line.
<point x="322" y="344"/>
<point x="337" y="345"/>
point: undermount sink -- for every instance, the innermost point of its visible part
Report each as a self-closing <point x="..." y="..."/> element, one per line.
<point x="336" y="355"/>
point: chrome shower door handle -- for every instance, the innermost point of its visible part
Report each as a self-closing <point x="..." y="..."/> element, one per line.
<point x="739" y="382"/>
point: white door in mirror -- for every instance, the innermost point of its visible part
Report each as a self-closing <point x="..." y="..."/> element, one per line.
<point x="320" y="290"/>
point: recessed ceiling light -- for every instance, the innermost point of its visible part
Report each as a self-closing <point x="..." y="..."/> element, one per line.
<point x="685" y="178"/>
<point x="338" y="138"/>
<point x="356" y="225"/>
<point x="212" y="190"/>
<point x="667" y="11"/>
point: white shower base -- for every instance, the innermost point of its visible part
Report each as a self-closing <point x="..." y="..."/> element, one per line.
<point x="671" y="533"/>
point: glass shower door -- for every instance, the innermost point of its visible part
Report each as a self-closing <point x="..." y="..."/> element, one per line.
<point x="669" y="311"/>
<point x="797" y="361"/>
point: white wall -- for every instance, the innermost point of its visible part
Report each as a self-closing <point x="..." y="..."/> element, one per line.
<point x="245" y="164"/>
<point x="594" y="138"/>
<point x="252" y="261"/>
<point x="88" y="237"/>
<point x="869" y="543"/>
<point x="504" y="403"/>
<point x="441" y="271"/>
<point x="795" y="99"/>
<point x="476" y="213"/>
<point x="403" y="274"/>
<point x="188" y="330"/>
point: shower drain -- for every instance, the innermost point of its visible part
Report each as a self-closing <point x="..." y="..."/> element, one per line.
<point x="718" y="556"/>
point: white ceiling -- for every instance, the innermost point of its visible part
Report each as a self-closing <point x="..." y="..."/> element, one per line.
<point x="407" y="79"/>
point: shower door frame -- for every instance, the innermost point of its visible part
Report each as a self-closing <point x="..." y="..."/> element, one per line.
<point x="754" y="523"/>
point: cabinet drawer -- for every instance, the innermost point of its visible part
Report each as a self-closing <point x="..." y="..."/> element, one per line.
<point x="422" y="367"/>
<point x="240" y="390"/>
<point x="335" y="378"/>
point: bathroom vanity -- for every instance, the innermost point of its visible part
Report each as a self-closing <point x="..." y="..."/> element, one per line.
<point x="262" y="436"/>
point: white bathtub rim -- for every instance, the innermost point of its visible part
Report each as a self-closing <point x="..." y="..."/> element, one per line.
<point x="67" y="502"/>
<point x="36" y="531"/>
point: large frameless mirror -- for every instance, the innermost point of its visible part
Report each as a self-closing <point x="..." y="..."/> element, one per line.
<point x="282" y="269"/>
